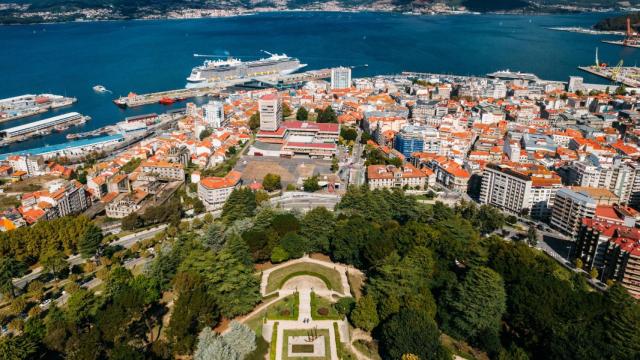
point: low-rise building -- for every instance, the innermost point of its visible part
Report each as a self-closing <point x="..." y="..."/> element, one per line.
<point x="214" y="191"/>
<point x="163" y="170"/>
<point x="389" y="176"/>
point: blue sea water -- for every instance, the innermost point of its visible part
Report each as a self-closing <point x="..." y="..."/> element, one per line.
<point x="144" y="56"/>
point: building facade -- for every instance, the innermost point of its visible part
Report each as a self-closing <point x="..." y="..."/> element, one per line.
<point x="270" y="108"/>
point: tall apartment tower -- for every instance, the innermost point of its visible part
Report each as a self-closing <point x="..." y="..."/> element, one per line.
<point x="213" y="114"/>
<point x="341" y="78"/>
<point x="270" y="112"/>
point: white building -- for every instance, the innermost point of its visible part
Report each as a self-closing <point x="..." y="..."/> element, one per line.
<point x="389" y="176"/>
<point x="569" y="208"/>
<point x="32" y="165"/>
<point x="213" y="114"/>
<point x="505" y="188"/>
<point x="341" y="78"/>
<point x="270" y="108"/>
<point x="214" y="191"/>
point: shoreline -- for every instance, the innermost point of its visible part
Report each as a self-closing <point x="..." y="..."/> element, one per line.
<point x="345" y="10"/>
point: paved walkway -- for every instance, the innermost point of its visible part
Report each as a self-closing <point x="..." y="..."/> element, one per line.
<point x="305" y="284"/>
<point x="340" y="268"/>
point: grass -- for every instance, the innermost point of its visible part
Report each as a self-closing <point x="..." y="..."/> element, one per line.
<point x="320" y="332"/>
<point x="367" y="348"/>
<point x="302" y="348"/>
<point x="10" y="201"/>
<point x="289" y="304"/>
<point x="319" y="302"/>
<point x="343" y="351"/>
<point x="356" y="281"/>
<point x="328" y="275"/>
<point x="274" y="342"/>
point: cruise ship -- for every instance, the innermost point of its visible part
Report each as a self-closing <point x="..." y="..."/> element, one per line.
<point x="513" y="75"/>
<point x="216" y="71"/>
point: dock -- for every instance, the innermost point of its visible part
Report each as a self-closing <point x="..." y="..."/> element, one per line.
<point x="133" y="100"/>
<point x="629" y="75"/>
<point x="216" y="89"/>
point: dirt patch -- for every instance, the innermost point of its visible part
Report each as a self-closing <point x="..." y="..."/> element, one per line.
<point x="222" y="325"/>
<point x="320" y="256"/>
<point x="264" y="266"/>
<point x="356" y="282"/>
<point x="304" y="282"/>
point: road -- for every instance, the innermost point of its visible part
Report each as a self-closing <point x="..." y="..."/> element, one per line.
<point x="126" y="242"/>
<point x="95" y="282"/>
<point x="305" y="201"/>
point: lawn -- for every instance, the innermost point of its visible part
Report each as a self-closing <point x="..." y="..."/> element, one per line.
<point x="320" y="332"/>
<point x="285" y="309"/>
<point x="279" y="277"/>
<point x="318" y="303"/>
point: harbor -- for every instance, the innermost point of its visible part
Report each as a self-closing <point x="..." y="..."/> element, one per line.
<point x="629" y="76"/>
<point x="23" y="106"/>
<point x="41" y="127"/>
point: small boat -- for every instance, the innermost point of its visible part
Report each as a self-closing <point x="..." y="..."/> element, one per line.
<point x="166" y="101"/>
<point x="100" y="89"/>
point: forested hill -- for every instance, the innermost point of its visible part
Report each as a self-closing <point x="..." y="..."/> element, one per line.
<point x="618" y="22"/>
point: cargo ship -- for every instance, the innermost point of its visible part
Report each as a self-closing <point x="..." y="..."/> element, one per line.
<point x="215" y="71"/>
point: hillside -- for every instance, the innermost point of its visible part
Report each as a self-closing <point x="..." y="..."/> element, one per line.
<point x="618" y="23"/>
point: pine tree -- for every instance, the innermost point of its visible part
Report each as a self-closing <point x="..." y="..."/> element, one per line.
<point x="214" y="237"/>
<point x="479" y="303"/>
<point x="623" y="323"/>
<point x="89" y="242"/>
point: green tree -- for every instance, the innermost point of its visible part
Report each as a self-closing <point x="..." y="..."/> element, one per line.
<point x="240" y="204"/>
<point x="365" y="315"/>
<point x="278" y="255"/>
<point x="328" y="115"/>
<point x="302" y="114"/>
<point x="254" y="121"/>
<point x="318" y="226"/>
<point x="310" y="184"/>
<point x="205" y="134"/>
<point x="412" y="332"/>
<point x="80" y="306"/>
<point x="478" y="304"/>
<point x="286" y="110"/>
<point x="294" y="244"/>
<point x="214" y="237"/>
<point x="21" y="347"/>
<point x="348" y="133"/>
<point x="9" y="269"/>
<point x="89" y="242"/>
<point x="53" y="261"/>
<point x="532" y="236"/>
<point x="271" y="182"/>
<point x="193" y="310"/>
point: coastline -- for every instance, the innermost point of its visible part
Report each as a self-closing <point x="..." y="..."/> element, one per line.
<point x="250" y="12"/>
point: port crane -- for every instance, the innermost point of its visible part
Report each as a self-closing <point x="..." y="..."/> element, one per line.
<point x="616" y="71"/>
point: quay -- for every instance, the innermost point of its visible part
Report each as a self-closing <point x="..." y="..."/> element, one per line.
<point x="42" y="127"/>
<point x="629" y="76"/>
<point x="216" y="89"/>
<point x="133" y="99"/>
<point x="22" y="106"/>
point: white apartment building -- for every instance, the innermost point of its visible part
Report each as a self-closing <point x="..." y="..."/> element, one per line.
<point x="621" y="178"/>
<point x="163" y="170"/>
<point x="569" y="208"/>
<point x="341" y="78"/>
<point x="505" y="188"/>
<point x="270" y="108"/>
<point x="32" y="165"/>
<point x="213" y="113"/>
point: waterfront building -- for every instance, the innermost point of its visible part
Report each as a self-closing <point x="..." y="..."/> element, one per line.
<point x="270" y="107"/>
<point x="40" y="125"/>
<point x="30" y="164"/>
<point x="341" y="78"/>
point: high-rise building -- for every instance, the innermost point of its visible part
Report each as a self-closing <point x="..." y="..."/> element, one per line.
<point x="618" y="176"/>
<point x="520" y="189"/>
<point x="409" y="140"/>
<point x="575" y="84"/>
<point x="569" y="208"/>
<point x="213" y="114"/>
<point x="341" y="78"/>
<point x="270" y="109"/>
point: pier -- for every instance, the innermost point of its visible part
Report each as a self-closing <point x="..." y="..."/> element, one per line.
<point x="133" y="100"/>
<point x="216" y="89"/>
